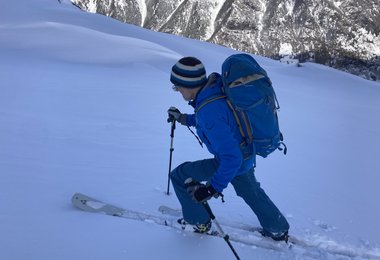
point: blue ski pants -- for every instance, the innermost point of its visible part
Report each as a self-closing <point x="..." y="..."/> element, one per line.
<point x="245" y="185"/>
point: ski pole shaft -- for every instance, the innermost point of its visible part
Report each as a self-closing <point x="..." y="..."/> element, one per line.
<point x="224" y="235"/>
<point x="171" y="154"/>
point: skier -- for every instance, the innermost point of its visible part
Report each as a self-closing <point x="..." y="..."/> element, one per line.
<point x="217" y="129"/>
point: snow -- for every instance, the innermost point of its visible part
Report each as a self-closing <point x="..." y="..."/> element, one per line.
<point x="337" y="3"/>
<point x="215" y="6"/>
<point x="286" y="49"/>
<point x="143" y="11"/>
<point x="92" y="7"/>
<point x="289" y="5"/>
<point x="83" y="109"/>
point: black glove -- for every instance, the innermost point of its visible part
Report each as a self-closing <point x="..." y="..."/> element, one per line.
<point x="199" y="191"/>
<point x="175" y="114"/>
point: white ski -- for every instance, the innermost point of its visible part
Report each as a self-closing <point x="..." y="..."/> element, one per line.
<point x="90" y="204"/>
<point x="178" y="213"/>
<point x="87" y="203"/>
<point x="237" y="232"/>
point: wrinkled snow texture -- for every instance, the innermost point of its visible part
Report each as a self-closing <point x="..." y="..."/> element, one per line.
<point x="83" y="109"/>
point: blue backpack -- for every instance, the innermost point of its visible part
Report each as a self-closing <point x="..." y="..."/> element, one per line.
<point x="250" y="95"/>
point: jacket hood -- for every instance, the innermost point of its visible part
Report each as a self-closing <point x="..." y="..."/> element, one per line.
<point x="212" y="88"/>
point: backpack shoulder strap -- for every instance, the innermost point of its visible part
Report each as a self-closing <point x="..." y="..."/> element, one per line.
<point x="209" y="100"/>
<point x="235" y="113"/>
<point x="238" y="122"/>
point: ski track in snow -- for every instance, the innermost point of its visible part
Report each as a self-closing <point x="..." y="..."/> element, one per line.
<point x="83" y="108"/>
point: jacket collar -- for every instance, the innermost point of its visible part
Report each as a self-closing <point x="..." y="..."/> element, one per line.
<point x="212" y="88"/>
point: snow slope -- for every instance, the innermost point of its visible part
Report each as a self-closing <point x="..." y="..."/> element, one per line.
<point x="83" y="109"/>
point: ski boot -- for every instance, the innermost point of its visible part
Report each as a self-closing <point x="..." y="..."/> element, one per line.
<point x="199" y="228"/>
<point x="280" y="236"/>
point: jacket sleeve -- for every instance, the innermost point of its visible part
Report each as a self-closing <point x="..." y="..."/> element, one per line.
<point x="190" y="120"/>
<point x="216" y="129"/>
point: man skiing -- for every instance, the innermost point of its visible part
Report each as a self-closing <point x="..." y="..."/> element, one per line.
<point x="218" y="130"/>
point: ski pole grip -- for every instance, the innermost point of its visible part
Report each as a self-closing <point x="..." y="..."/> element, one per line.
<point x="170" y="118"/>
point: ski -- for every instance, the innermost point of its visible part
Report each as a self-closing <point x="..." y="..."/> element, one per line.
<point x="231" y="226"/>
<point x="178" y="213"/>
<point x="241" y="229"/>
<point x="89" y="204"/>
<point x="238" y="233"/>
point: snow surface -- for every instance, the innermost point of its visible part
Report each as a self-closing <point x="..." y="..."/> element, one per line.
<point x="217" y="5"/>
<point x="143" y="11"/>
<point x="83" y="109"/>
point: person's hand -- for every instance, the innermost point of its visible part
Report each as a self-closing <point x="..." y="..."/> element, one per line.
<point x="175" y="114"/>
<point x="199" y="191"/>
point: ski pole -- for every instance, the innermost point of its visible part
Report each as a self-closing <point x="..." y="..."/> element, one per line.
<point x="190" y="182"/>
<point x="222" y="234"/>
<point x="172" y="120"/>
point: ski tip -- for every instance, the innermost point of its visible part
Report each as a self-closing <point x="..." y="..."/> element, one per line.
<point x="76" y="197"/>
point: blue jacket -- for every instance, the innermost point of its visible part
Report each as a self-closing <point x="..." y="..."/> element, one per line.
<point x="218" y="130"/>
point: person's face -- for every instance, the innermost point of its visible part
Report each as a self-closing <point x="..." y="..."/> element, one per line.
<point x="188" y="94"/>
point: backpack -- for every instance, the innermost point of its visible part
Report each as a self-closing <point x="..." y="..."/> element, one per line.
<point x="250" y="95"/>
